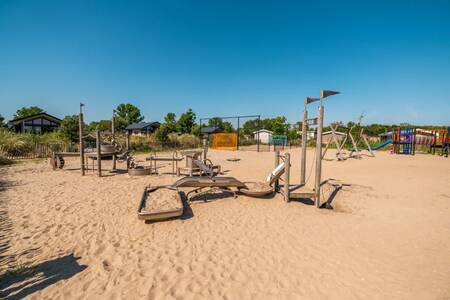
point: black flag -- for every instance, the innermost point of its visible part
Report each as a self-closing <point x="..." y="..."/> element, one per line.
<point x="326" y="93"/>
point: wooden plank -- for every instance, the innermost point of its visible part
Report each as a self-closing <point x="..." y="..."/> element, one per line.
<point x="304" y="140"/>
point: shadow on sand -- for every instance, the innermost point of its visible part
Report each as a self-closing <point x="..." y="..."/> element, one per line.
<point x="18" y="284"/>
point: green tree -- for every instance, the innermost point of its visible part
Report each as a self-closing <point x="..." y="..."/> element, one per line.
<point x="171" y="122"/>
<point x="162" y="133"/>
<point x="250" y="126"/>
<point x="69" y="128"/>
<point x="186" y="122"/>
<point x="2" y="121"/>
<point x="102" y="125"/>
<point x="127" y="114"/>
<point x="28" y="111"/>
<point x="196" y="130"/>
<point x="220" y="124"/>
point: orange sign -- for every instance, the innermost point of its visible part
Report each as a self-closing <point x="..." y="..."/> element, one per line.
<point x="225" y="141"/>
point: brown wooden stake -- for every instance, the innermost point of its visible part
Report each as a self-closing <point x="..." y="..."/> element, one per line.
<point x="319" y="155"/>
<point x="287" y="167"/>
<point x="81" y="144"/>
<point x="113" y="140"/>
<point x="277" y="162"/>
<point x="367" y="143"/>
<point x="304" y="139"/>
<point x="205" y="149"/>
<point x="99" y="158"/>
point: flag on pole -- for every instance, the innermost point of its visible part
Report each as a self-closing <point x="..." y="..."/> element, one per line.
<point x="326" y="93"/>
<point x="311" y="100"/>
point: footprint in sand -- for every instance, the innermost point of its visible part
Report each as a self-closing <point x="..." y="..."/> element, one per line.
<point x="107" y="266"/>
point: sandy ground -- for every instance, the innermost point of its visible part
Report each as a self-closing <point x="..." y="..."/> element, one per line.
<point x="388" y="236"/>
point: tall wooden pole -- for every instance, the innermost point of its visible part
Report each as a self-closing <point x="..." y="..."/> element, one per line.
<point x="304" y="139"/>
<point x="287" y="168"/>
<point x="276" y="185"/>
<point x="99" y="157"/>
<point x="127" y="145"/>
<point x="113" y="140"/>
<point x="319" y="154"/>
<point x="81" y="144"/>
<point x="205" y="149"/>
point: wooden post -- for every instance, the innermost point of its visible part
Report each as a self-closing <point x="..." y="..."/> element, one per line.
<point x="319" y="155"/>
<point x="304" y="139"/>
<point x="113" y="140"/>
<point x="355" y="147"/>
<point x="127" y="141"/>
<point x="287" y="167"/>
<point x="276" y="185"/>
<point x="367" y="143"/>
<point x="205" y="149"/>
<point x="99" y="158"/>
<point x="81" y="144"/>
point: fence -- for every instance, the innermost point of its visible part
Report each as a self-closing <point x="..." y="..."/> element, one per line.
<point x="37" y="150"/>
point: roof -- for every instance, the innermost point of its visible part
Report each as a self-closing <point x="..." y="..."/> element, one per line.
<point x="35" y="116"/>
<point x="142" y="125"/>
<point x="263" y="130"/>
<point x="211" y="129"/>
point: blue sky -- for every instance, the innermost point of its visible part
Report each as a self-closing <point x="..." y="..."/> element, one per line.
<point x="390" y="59"/>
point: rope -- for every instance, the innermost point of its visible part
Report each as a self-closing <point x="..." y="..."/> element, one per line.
<point x="310" y="170"/>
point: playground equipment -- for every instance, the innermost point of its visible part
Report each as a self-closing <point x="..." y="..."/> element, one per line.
<point x="174" y="159"/>
<point x="382" y="145"/>
<point x="406" y="140"/>
<point x="101" y="150"/>
<point x="192" y="156"/>
<point x="355" y="142"/>
<point x="339" y="144"/>
<point x="318" y="121"/>
<point x="172" y="206"/>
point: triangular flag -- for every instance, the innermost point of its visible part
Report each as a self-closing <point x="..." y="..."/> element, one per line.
<point x="326" y="93"/>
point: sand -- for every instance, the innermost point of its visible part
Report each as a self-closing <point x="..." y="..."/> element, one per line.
<point x="388" y="236"/>
<point x="163" y="199"/>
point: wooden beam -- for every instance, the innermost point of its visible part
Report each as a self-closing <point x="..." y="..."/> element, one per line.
<point x="99" y="156"/>
<point x="287" y="167"/>
<point x="304" y="142"/>
<point x="81" y="143"/>
<point x="319" y="156"/>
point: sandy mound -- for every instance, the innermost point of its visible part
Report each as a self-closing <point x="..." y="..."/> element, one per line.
<point x="163" y="199"/>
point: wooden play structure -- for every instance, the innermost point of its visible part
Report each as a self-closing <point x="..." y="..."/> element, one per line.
<point x="101" y="150"/>
<point x="356" y="152"/>
<point x="174" y="158"/>
<point x="211" y="182"/>
<point x="338" y="142"/>
<point x="299" y="191"/>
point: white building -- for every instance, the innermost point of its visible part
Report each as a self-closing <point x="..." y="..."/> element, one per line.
<point x="264" y="136"/>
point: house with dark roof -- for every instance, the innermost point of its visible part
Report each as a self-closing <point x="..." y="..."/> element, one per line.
<point x="143" y="128"/>
<point x="210" y="130"/>
<point x="37" y="123"/>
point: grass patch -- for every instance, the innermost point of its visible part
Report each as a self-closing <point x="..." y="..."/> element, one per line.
<point x="5" y="161"/>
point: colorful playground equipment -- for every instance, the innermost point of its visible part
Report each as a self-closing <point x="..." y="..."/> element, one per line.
<point x="407" y="140"/>
<point x="404" y="141"/>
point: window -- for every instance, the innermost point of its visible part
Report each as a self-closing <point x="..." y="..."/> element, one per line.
<point x="45" y="122"/>
<point x="37" y="121"/>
